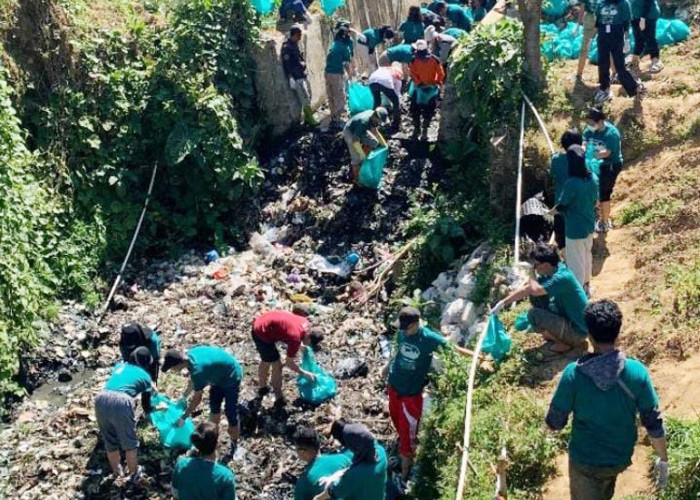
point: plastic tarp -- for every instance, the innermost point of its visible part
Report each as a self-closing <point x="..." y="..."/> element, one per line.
<point x="165" y="421"/>
<point x="263" y="7"/>
<point x="319" y="390"/>
<point x="372" y="168"/>
<point x="330" y="6"/>
<point x="359" y="98"/>
<point x="497" y="342"/>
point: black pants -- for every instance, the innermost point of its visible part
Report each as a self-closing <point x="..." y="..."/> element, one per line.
<point x="377" y="91"/>
<point x="612" y="44"/>
<point x="645" y="40"/>
<point x="427" y="111"/>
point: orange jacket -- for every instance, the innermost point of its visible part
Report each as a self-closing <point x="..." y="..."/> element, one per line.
<point x="428" y="71"/>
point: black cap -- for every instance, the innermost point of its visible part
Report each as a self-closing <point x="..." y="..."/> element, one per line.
<point x="408" y="316"/>
<point x="595" y="114"/>
<point x="141" y="357"/>
<point x="173" y="357"/>
<point x="135" y="335"/>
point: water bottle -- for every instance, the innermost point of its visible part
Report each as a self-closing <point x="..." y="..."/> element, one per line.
<point x="352" y="259"/>
<point x="211" y="256"/>
<point x="385" y="347"/>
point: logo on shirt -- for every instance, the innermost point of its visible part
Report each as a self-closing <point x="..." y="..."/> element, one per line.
<point x="608" y="13"/>
<point x="408" y="354"/>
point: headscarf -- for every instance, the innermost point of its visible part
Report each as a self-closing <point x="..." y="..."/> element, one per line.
<point x="360" y="441"/>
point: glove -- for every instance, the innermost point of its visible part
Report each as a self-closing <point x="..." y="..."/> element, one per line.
<point x="497" y="307"/>
<point x="292" y="84"/>
<point x="661" y="473"/>
<point x="627" y="46"/>
<point x="642" y="24"/>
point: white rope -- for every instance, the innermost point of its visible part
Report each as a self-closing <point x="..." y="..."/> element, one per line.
<point x="118" y="279"/>
<point x="519" y="187"/>
<point x="541" y="122"/>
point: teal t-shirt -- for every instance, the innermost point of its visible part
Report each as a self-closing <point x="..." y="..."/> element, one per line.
<point x="609" y="138"/>
<point x="359" y="124"/>
<point x="458" y="16"/>
<point x="604" y="429"/>
<point x="129" y="378"/>
<point x="577" y="204"/>
<point x="338" y="54"/>
<point x="455" y="32"/>
<point x="363" y="481"/>
<point x="566" y="296"/>
<point x="478" y="14"/>
<point x="608" y="13"/>
<point x="412" y="31"/>
<point x="654" y="11"/>
<point x="198" y="479"/>
<point x="153" y="348"/>
<point x="213" y="366"/>
<point x="373" y="38"/>
<point x="411" y="364"/>
<point x="308" y="486"/>
<point x="559" y="172"/>
<point x="402" y="53"/>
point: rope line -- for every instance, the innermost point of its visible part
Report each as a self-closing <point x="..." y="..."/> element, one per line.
<point x="118" y="279"/>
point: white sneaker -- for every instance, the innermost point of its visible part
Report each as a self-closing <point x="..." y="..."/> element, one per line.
<point x="609" y="225"/>
<point x="601" y="227"/>
<point x="602" y="96"/>
<point x="656" y="66"/>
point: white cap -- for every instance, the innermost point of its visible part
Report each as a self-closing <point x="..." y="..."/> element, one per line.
<point x="429" y="34"/>
<point x="420" y="45"/>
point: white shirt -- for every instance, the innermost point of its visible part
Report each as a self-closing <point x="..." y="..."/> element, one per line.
<point x="387" y="77"/>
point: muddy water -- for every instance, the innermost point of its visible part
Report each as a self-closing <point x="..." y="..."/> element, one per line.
<point x="56" y="393"/>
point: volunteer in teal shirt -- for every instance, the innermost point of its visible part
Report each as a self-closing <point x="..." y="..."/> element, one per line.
<point x="318" y="467"/>
<point x="338" y="55"/>
<point x="645" y="15"/>
<point x="213" y="367"/>
<point x="412" y="28"/>
<point x="402" y="53"/>
<point x="559" y="173"/>
<point x="200" y="477"/>
<point x="605" y="391"/>
<point x="558" y="301"/>
<point x="455" y="32"/>
<point x="130" y="379"/>
<point x="134" y="335"/>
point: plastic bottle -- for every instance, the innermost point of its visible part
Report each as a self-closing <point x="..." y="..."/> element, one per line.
<point x="352" y="259"/>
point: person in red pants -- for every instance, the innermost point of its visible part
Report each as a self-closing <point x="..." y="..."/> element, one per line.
<point x="408" y="375"/>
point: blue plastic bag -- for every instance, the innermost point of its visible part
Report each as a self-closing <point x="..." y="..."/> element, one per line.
<point x="359" y="98"/>
<point x="322" y="388"/>
<point x="372" y="168"/>
<point x="497" y="342"/>
<point x="423" y="93"/>
<point x="554" y="8"/>
<point x="263" y="7"/>
<point x="522" y="323"/>
<point x="171" y="436"/>
<point x="329" y="6"/>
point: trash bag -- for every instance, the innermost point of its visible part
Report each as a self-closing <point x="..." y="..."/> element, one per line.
<point x="263" y="7"/>
<point x="554" y="8"/>
<point x="322" y="388"/>
<point x="423" y="93"/>
<point x="497" y="342"/>
<point x="522" y="323"/>
<point x="676" y="31"/>
<point x="329" y="6"/>
<point x="171" y="436"/>
<point x="372" y="168"/>
<point x="593" y="51"/>
<point x="321" y="264"/>
<point x="359" y="98"/>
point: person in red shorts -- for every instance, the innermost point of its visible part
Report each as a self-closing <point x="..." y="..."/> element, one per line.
<point x="408" y="375"/>
<point x="288" y="328"/>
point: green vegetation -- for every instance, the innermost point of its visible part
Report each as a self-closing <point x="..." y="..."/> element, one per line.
<point x="98" y="105"/>
<point x="685" y="281"/>
<point x="684" y="459"/>
<point x="638" y="213"/>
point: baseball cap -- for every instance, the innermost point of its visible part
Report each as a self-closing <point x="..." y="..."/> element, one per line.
<point x="382" y="114"/>
<point x="173" y="357"/>
<point x="408" y="316"/>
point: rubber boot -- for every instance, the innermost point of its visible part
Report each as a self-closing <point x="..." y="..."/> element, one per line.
<point x="309" y="117"/>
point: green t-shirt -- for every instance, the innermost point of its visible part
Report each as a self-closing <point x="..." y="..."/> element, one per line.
<point x="373" y="38"/>
<point x="129" y="378"/>
<point x="609" y="138"/>
<point x="338" y="54"/>
<point x="213" y="366"/>
<point x="566" y="296"/>
<point x="604" y="429"/>
<point x="363" y="481"/>
<point x="308" y="486"/>
<point x="402" y="53"/>
<point x="455" y="32"/>
<point x="609" y="13"/>
<point x="411" y="364"/>
<point x="359" y="124"/>
<point x="198" y="479"/>
<point x="153" y="348"/>
<point x="458" y="16"/>
<point x="559" y="172"/>
<point x="654" y="11"/>
<point x="478" y="14"/>
<point x="412" y="31"/>
<point x="577" y="204"/>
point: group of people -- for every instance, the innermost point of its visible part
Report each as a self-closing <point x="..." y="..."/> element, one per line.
<point x="611" y="20"/>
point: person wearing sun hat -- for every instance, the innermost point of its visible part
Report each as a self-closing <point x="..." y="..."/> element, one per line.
<point x="427" y="75"/>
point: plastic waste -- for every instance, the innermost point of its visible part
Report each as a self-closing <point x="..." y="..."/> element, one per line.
<point x="359" y="98"/>
<point x="554" y="8"/>
<point x="385" y="347"/>
<point x="220" y="274"/>
<point x="263" y="7"/>
<point x="260" y="245"/>
<point x="330" y="6"/>
<point x="323" y="265"/>
<point x="211" y="256"/>
<point x="352" y="259"/>
<point x="165" y="421"/>
<point x="322" y="388"/>
<point x="497" y="342"/>
<point x="522" y="323"/>
<point x="351" y="367"/>
<point x="372" y="168"/>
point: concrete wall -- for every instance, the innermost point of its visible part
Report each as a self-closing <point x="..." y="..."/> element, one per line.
<point x="278" y="103"/>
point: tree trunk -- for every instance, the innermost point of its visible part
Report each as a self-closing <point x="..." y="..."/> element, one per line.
<point x="530" y="13"/>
